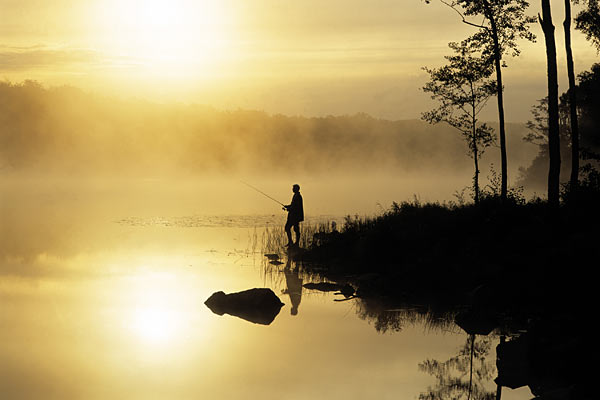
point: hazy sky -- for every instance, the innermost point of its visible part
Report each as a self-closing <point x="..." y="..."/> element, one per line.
<point x="295" y="57"/>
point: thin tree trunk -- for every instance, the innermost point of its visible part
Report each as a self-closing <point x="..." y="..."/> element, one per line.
<point x="502" y="129"/>
<point x="476" y="178"/>
<point x="574" y="181"/>
<point x="553" y="127"/>
<point x="475" y="157"/>
<point x="500" y="97"/>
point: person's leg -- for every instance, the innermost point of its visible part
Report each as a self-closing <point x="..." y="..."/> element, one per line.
<point x="297" y="230"/>
<point x="288" y="231"/>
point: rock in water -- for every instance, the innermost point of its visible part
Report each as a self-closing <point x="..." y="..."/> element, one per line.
<point x="259" y="305"/>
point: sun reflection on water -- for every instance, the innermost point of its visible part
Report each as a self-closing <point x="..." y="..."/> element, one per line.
<point x="158" y="308"/>
<point x="156" y="325"/>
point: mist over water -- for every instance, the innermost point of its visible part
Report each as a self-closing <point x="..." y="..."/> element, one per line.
<point x="118" y="220"/>
<point x="68" y="156"/>
<point x="64" y="138"/>
<point x="115" y="274"/>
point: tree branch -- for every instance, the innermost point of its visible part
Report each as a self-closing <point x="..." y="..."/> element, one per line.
<point x="464" y="20"/>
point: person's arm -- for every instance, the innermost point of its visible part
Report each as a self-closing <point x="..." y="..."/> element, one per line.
<point x="291" y="206"/>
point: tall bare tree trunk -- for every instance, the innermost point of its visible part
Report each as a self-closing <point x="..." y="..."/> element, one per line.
<point x="475" y="155"/>
<point x="476" y="177"/>
<point x="553" y="127"/>
<point x="502" y="128"/>
<point x="500" y="96"/>
<point x="574" y="181"/>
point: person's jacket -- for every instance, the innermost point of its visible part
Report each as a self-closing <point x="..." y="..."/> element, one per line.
<point x="296" y="209"/>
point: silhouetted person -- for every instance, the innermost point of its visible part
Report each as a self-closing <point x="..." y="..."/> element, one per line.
<point x="295" y="215"/>
<point x="294" y="286"/>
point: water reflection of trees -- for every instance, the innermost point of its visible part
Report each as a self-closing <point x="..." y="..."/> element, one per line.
<point x="539" y="349"/>
<point x="467" y="375"/>
<point x="393" y="317"/>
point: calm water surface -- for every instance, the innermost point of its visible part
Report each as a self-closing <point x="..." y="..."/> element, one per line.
<point x="102" y="297"/>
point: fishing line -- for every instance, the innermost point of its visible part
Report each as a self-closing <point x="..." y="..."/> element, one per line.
<point x="263" y="193"/>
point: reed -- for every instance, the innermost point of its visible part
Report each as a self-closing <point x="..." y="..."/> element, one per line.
<point x="274" y="238"/>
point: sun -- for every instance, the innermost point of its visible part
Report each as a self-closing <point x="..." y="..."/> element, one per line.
<point x="174" y="35"/>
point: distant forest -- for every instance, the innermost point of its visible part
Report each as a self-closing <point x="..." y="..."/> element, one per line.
<point x="67" y="130"/>
<point x="588" y="111"/>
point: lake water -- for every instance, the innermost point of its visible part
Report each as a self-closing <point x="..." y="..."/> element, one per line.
<point x="102" y="296"/>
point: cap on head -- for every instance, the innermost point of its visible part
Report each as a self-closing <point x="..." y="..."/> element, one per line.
<point x="296" y="187"/>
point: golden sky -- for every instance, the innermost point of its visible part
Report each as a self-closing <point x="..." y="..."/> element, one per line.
<point x="293" y="57"/>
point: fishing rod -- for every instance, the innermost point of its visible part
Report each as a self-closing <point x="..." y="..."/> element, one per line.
<point x="263" y="193"/>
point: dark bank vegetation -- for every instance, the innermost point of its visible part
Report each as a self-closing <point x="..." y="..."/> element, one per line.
<point x="502" y="236"/>
<point x="465" y="242"/>
<point x="534" y="252"/>
<point x="468" y="244"/>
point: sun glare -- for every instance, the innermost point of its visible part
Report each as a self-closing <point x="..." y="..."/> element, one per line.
<point x="165" y="35"/>
<point x="158" y="308"/>
<point x="155" y="324"/>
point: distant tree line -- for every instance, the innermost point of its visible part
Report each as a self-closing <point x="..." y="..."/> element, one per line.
<point x="66" y="130"/>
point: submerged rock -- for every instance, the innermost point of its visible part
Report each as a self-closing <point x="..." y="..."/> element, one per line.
<point x="258" y="305"/>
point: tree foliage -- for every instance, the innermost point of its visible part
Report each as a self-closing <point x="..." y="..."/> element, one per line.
<point x="588" y="21"/>
<point x="538" y="125"/>
<point x="462" y="88"/>
<point x="504" y="23"/>
<point x="589" y="104"/>
<point x="588" y="89"/>
<point x="509" y="18"/>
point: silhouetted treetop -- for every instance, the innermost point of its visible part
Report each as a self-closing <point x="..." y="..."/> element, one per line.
<point x="588" y="21"/>
<point x="507" y="17"/>
<point x="462" y="88"/>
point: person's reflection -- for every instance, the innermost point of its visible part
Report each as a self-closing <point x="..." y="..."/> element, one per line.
<point x="294" y="286"/>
